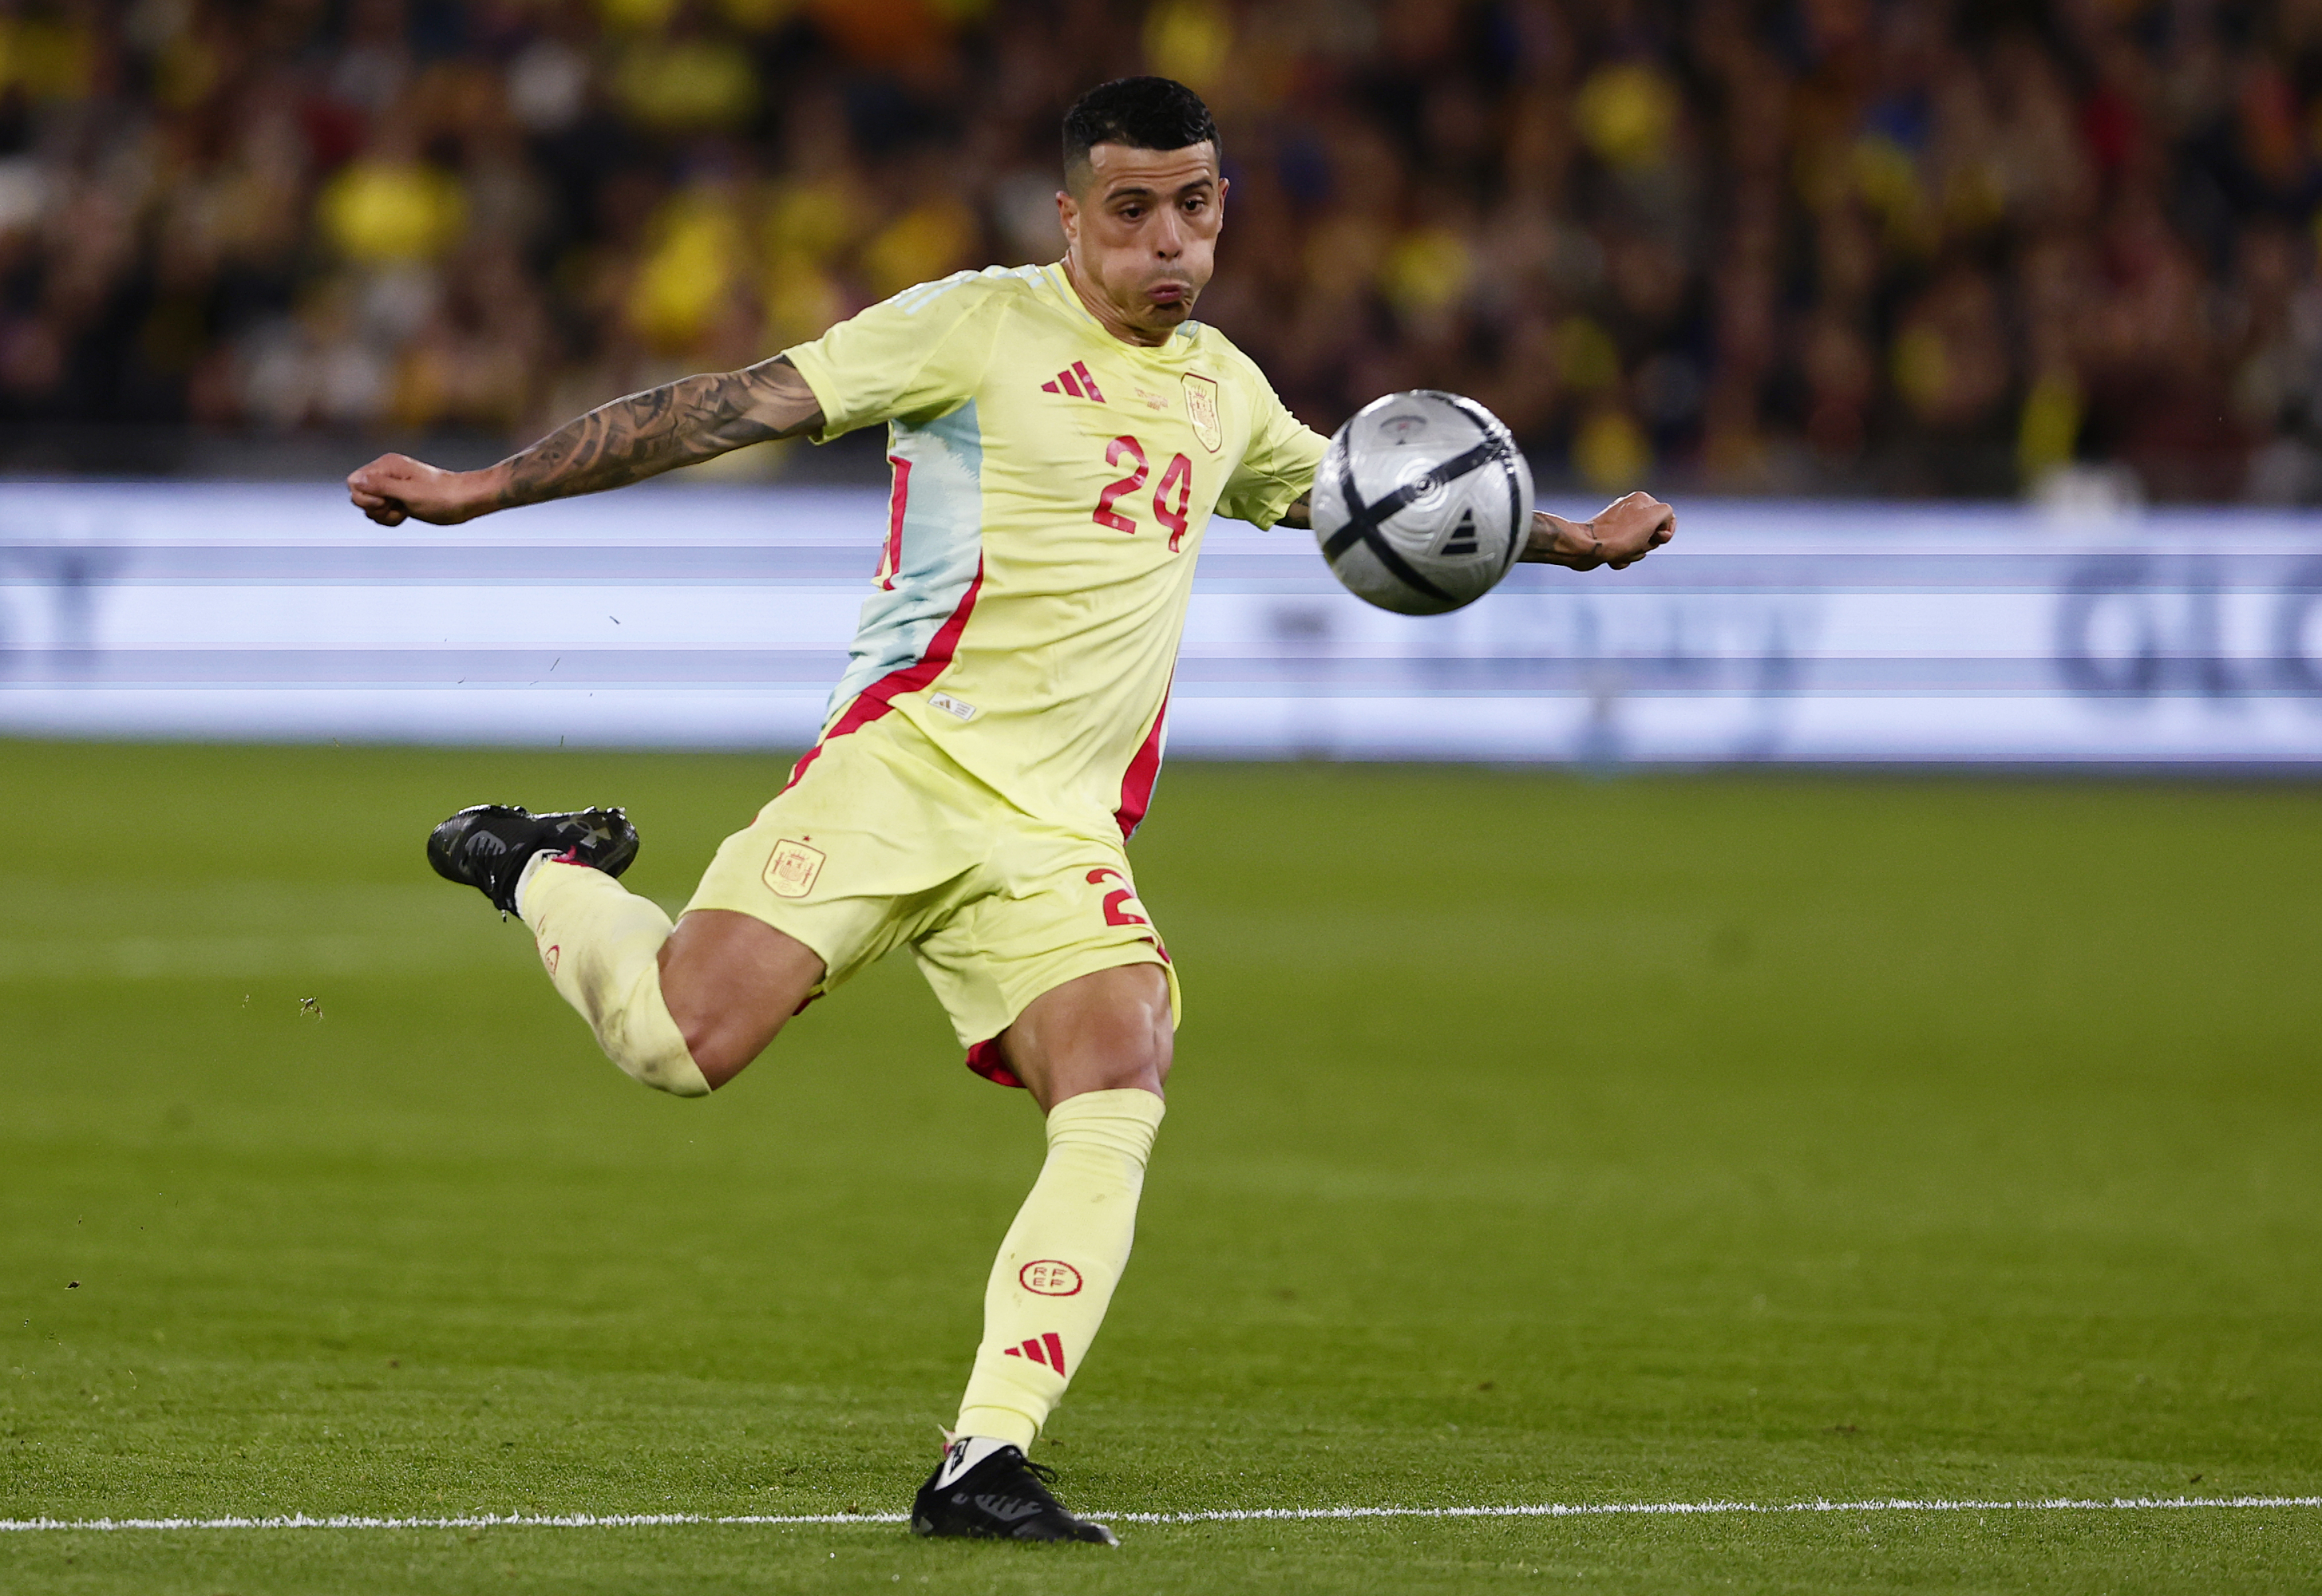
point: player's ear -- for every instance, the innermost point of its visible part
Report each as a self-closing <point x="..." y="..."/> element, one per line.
<point x="1068" y="216"/>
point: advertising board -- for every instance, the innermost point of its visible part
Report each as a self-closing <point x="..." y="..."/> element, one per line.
<point x="713" y="617"/>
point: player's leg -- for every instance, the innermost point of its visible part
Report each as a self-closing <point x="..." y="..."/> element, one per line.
<point x="683" y="1013"/>
<point x="691" y="1004"/>
<point x="1096" y="1052"/>
<point x="1094" y="1043"/>
<point x="846" y="861"/>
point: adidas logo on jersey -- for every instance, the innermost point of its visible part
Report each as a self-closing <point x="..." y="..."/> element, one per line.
<point x="1076" y="382"/>
<point x="1053" y="1355"/>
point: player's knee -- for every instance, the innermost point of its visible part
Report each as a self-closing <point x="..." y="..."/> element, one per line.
<point x="730" y="983"/>
<point x="1108" y="1031"/>
<point x="722" y="1037"/>
<point x="1151" y="1074"/>
<point x="1150" y="1062"/>
<point x="721" y="1047"/>
<point x="1142" y="1065"/>
<point x="1142" y="1043"/>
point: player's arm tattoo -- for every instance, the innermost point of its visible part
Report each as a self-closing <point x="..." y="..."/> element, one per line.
<point x="646" y="433"/>
<point x="1558" y="542"/>
<point x="1300" y="513"/>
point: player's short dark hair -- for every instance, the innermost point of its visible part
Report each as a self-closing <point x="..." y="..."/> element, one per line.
<point x="1142" y="113"/>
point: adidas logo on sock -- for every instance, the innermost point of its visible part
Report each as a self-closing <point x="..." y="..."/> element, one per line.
<point x="1076" y="382"/>
<point x="1047" y="1350"/>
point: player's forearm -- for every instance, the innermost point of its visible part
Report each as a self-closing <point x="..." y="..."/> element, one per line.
<point x="678" y="423"/>
<point x="1558" y="542"/>
<point x="1554" y="540"/>
<point x="1624" y="533"/>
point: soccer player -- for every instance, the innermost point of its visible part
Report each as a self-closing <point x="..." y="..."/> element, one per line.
<point x="1061" y="435"/>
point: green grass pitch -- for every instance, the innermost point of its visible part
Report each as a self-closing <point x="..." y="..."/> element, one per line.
<point x="1533" y="1140"/>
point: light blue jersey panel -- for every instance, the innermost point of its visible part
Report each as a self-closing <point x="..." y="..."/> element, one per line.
<point x="942" y="493"/>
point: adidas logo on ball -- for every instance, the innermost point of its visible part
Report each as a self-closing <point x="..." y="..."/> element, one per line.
<point x="1423" y="503"/>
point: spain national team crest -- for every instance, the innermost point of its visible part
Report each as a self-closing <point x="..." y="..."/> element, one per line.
<point x="1202" y="410"/>
<point x="790" y="872"/>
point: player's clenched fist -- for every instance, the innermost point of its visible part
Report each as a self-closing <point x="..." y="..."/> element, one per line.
<point x="396" y="487"/>
<point x="1632" y="528"/>
<point x="1619" y="535"/>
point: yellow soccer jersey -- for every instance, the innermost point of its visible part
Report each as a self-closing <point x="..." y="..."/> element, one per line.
<point x="1051" y="487"/>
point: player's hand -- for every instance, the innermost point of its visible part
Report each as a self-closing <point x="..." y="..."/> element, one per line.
<point x="1619" y="535"/>
<point x="1630" y="528"/>
<point x="395" y="487"/>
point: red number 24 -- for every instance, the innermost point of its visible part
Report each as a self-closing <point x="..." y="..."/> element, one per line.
<point x="1105" y="515"/>
<point x="1177" y="476"/>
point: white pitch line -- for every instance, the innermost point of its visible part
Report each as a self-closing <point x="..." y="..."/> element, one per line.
<point x="1217" y="1516"/>
<point x="1612" y="1509"/>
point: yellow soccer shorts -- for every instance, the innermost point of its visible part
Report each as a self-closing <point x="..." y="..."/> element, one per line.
<point x="881" y="840"/>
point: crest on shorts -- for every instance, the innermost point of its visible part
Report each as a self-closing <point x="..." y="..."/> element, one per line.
<point x="791" y="872"/>
<point x="1202" y="410"/>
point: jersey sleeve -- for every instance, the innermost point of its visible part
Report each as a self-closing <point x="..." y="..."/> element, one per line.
<point x="915" y="356"/>
<point x="1278" y="470"/>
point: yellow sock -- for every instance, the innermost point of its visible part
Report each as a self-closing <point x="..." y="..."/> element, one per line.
<point x="601" y="944"/>
<point x="1054" y="1275"/>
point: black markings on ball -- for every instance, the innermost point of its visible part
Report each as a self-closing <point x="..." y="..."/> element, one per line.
<point x="1362" y="525"/>
<point x="1364" y="521"/>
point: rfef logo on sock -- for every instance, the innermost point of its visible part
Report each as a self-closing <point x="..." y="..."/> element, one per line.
<point x="791" y="872"/>
<point x="549" y="956"/>
<point x="1049" y="1277"/>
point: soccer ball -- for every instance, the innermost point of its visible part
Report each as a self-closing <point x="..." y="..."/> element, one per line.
<point x="1422" y="502"/>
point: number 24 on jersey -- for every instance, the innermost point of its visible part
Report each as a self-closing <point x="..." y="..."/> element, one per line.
<point x="1171" y="496"/>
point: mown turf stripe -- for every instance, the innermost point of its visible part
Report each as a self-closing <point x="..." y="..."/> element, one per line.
<point x="1217" y="1516"/>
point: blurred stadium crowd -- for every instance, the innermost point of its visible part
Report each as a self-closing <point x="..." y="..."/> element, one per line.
<point x="1919" y="246"/>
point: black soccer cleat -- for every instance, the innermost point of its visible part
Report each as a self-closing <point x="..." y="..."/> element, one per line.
<point x="487" y="845"/>
<point x="1003" y="1496"/>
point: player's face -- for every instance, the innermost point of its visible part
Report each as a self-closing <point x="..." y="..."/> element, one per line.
<point x="1141" y="234"/>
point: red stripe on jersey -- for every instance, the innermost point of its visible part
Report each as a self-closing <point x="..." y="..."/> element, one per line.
<point x="1050" y="387"/>
<point x="898" y="496"/>
<point x="1144" y="770"/>
<point x="1055" y="1352"/>
<point x="1088" y="382"/>
<point x="876" y="699"/>
<point x="1071" y="387"/>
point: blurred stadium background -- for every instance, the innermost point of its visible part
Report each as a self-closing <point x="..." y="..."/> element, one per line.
<point x="1942" y="246"/>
